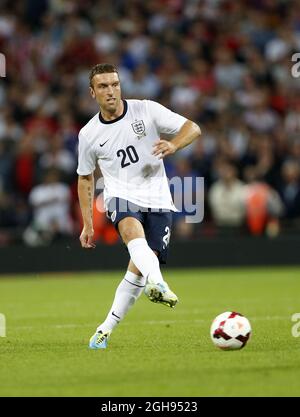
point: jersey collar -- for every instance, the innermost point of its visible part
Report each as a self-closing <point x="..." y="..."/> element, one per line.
<point x="107" y="122"/>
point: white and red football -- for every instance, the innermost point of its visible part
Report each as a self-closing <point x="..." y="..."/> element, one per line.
<point x="230" y="331"/>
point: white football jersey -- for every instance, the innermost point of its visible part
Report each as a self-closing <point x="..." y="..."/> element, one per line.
<point x="123" y="149"/>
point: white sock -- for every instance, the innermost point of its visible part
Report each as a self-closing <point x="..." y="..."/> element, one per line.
<point x="128" y="291"/>
<point x="145" y="260"/>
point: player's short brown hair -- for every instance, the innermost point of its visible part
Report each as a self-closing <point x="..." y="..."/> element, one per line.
<point x="101" y="69"/>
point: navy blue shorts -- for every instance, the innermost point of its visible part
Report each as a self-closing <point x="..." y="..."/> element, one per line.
<point x="157" y="223"/>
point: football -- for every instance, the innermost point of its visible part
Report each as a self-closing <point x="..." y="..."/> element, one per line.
<point x="230" y="331"/>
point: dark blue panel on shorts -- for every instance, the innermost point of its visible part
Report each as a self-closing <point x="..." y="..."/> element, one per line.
<point x="157" y="223"/>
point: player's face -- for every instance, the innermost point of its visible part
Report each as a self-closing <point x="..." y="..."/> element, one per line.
<point x="107" y="91"/>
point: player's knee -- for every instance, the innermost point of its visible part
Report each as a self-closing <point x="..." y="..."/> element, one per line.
<point x="130" y="229"/>
<point x="129" y="234"/>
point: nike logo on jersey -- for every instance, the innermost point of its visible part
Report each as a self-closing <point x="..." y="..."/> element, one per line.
<point x="102" y="144"/>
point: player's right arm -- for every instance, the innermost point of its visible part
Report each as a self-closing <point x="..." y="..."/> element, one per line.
<point x="86" y="199"/>
<point x="85" y="171"/>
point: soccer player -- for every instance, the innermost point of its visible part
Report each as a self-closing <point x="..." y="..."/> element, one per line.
<point x="124" y="139"/>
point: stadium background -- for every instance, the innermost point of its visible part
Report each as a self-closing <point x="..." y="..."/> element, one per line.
<point x="226" y="65"/>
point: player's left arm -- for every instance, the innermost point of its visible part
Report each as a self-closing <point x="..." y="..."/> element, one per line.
<point x="186" y="135"/>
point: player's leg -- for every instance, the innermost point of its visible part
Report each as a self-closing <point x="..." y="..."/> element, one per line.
<point x="157" y="227"/>
<point x="143" y="263"/>
<point x="144" y="257"/>
<point x="128" y="291"/>
<point x="132" y="233"/>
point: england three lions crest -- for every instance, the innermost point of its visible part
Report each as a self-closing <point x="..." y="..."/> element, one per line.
<point x="139" y="128"/>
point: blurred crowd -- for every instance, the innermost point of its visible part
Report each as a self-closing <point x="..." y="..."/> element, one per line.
<point x="225" y="64"/>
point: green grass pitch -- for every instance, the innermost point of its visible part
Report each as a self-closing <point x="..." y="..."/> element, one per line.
<point x="155" y="351"/>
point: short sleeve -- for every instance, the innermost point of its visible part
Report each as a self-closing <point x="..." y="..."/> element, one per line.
<point x="165" y="120"/>
<point x="86" y="157"/>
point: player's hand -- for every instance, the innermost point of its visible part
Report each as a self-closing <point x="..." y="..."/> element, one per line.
<point x="163" y="148"/>
<point x="86" y="238"/>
